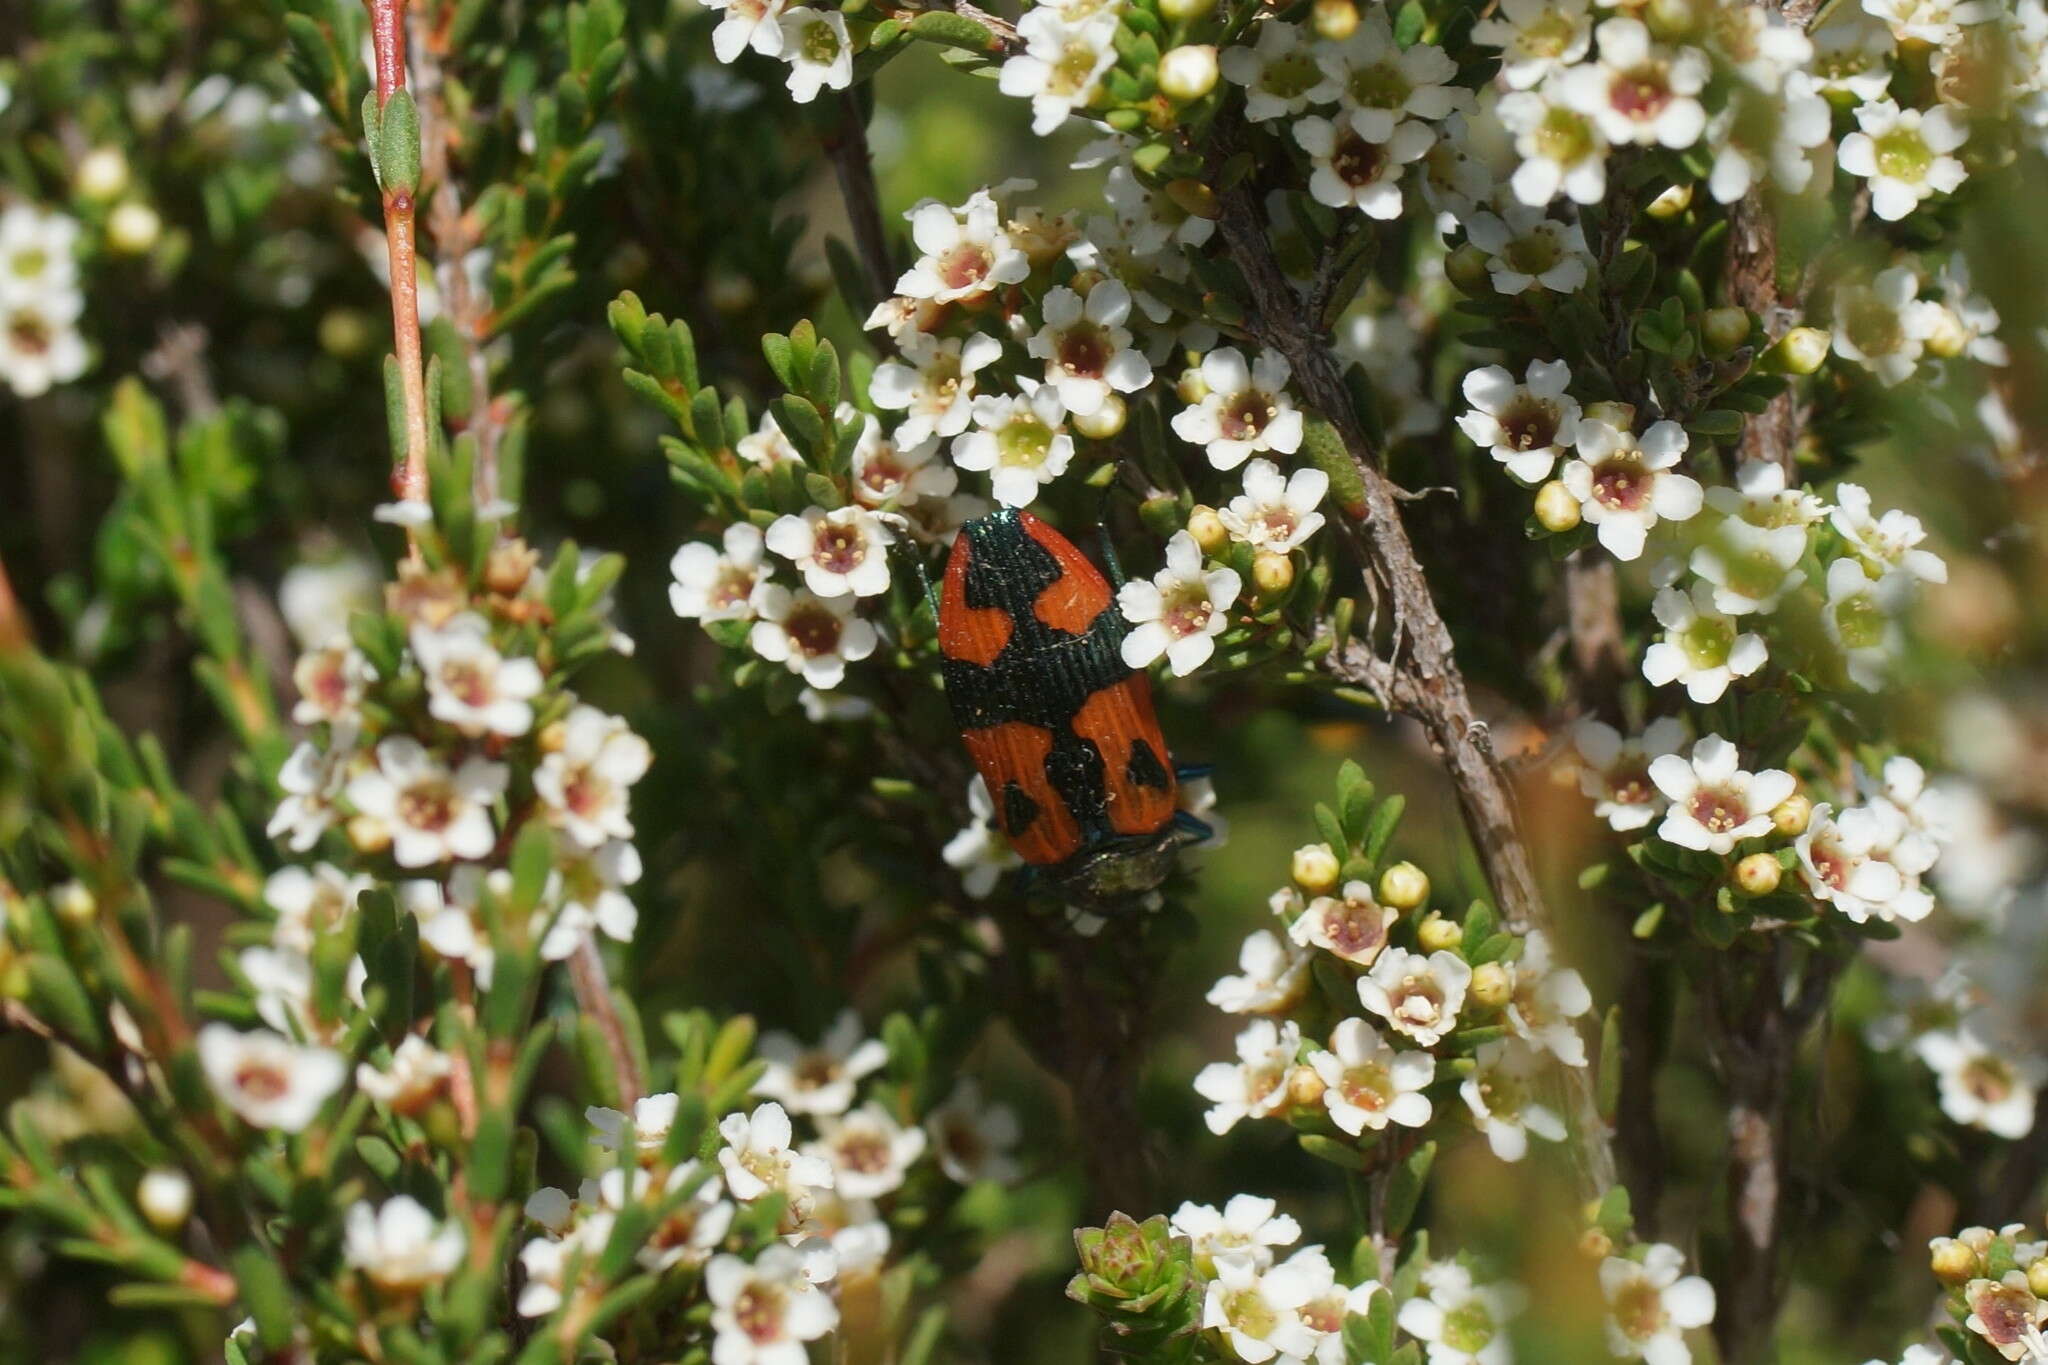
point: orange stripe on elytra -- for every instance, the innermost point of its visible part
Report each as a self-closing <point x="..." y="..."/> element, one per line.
<point x="1113" y="720"/>
<point x="1078" y="596"/>
<point x="1015" y="751"/>
<point x="974" y="635"/>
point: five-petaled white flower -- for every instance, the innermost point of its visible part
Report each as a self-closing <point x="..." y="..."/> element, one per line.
<point x="1272" y="977"/>
<point x="1626" y="485"/>
<point x="842" y="551"/>
<point x="1352" y="925"/>
<point x="818" y="49"/>
<point x="1714" y="803"/>
<point x="1544" y="999"/>
<point x="1616" y="770"/>
<point x="747" y="24"/>
<point x="1380" y="84"/>
<point x="1367" y="1084"/>
<point x="812" y="635"/>
<point x="1278" y="72"/>
<point x="714" y="586"/>
<point x="1499" y="1092"/>
<point x="469" y="684"/>
<point x="1702" y="647"/>
<point x="1021" y="440"/>
<point x="2008" y="1314"/>
<point x="312" y="778"/>
<point x="973" y="1140"/>
<point x="1525" y="426"/>
<point x="1062" y="62"/>
<point x="1845" y="861"/>
<point x="1889" y="544"/>
<point x="1982" y="1086"/>
<point x="869" y="1151"/>
<point x="1750" y="567"/>
<point x="1536" y="37"/>
<point x="819" y="1078"/>
<point x="585" y="782"/>
<point x="652" y="1117"/>
<point x="1461" y="1322"/>
<point x="1258" y="1311"/>
<point x="401" y="1247"/>
<point x="933" y="385"/>
<point x="1086" y="347"/>
<point x="1640" y="90"/>
<point x="1562" y="147"/>
<point x="965" y="251"/>
<point x="310" y="901"/>
<point x="1651" y="1305"/>
<point x="417" y="1073"/>
<point x="266" y="1078"/>
<point x="1884" y="325"/>
<point x="1526" y="249"/>
<point x="1245" y="410"/>
<point x="331" y="679"/>
<point x="1860" y="618"/>
<point x="889" y="473"/>
<point x="1352" y="170"/>
<point x="1180" y="612"/>
<point x="1419" y="996"/>
<point x="432" y="814"/>
<point x="758" y="1159"/>
<point x="763" y="1313"/>
<point x="1905" y="154"/>
<point x="1247" y="1228"/>
<point x="1275" y="513"/>
<point x="1256" y="1084"/>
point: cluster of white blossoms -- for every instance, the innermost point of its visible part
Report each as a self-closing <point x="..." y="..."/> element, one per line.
<point x="40" y="300"/>
<point x="1888" y="323"/>
<point x="836" y="1186"/>
<point x="813" y="42"/>
<point x="1260" y="1307"/>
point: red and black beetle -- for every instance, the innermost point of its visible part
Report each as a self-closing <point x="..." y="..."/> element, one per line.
<point x="1060" y="727"/>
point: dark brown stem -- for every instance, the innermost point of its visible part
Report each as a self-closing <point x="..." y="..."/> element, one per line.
<point x="854" y="165"/>
<point x="1773" y="434"/>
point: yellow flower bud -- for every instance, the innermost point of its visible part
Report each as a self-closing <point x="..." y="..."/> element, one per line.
<point x="1948" y="338"/>
<point x="1671" y="20"/>
<point x="1671" y="203"/>
<point x="1436" y="933"/>
<point x="1191" y="388"/>
<point x="1316" y="869"/>
<point x="1491" y="985"/>
<point x="1335" y="20"/>
<point x="1595" y="1245"/>
<point x="1557" y="511"/>
<point x="1724" y="329"/>
<point x="1304" y="1087"/>
<point x="102" y="175"/>
<point x="1954" y="1262"/>
<point x="165" y="1197"/>
<point x="74" y="903"/>
<point x="552" y="737"/>
<point x="366" y="834"/>
<point x="1404" y="886"/>
<point x="1790" y="816"/>
<point x="1620" y="416"/>
<point x="1207" y="528"/>
<point x="1800" y="351"/>
<point x="1185" y="11"/>
<point x="1188" y="72"/>
<point x="1106" y="421"/>
<point x="1758" y="874"/>
<point x="133" y="228"/>
<point x="1272" y="574"/>
<point x="2037" y="1278"/>
<point x="1467" y="270"/>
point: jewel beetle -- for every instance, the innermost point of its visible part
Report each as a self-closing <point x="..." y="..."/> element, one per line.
<point x="1062" y="730"/>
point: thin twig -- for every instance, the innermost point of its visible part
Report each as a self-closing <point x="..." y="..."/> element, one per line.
<point x="409" y="477"/>
<point x="853" y="164"/>
<point x="594" y="996"/>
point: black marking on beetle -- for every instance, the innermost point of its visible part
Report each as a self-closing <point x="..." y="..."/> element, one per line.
<point x="1144" y="768"/>
<point x="1019" y="810"/>
<point x="1044" y="675"/>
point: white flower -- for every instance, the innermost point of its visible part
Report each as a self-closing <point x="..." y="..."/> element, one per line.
<point x="888" y="473"/>
<point x="1640" y="91"/>
<point x="693" y="1226"/>
<point x="1245" y="410"/>
<point x="39" y="342"/>
<point x="1526" y="249"/>
<point x="814" y="636"/>
<point x="764" y="1312"/>
<point x="965" y="251"/>
<point x="841" y="551"/>
<point x="1367" y="1084"/>
<point x="1355" y="171"/>
<point x="1256" y="1084"/>
<point x="1062" y="62"/>
<point x="1498" y="1094"/>
<point x="310" y="901"/>
<point x="1905" y="155"/>
<point x="1842" y="861"/>
<point x="1461" y="1322"/>
<point x="37" y="254"/>
<point x="818" y="50"/>
<point x="820" y="1078"/>
<point x="330" y="680"/>
<point x="1626" y="485"/>
<point x="980" y="852"/>
<point x="547" y="1261"/>
<point x="1536" y="37"/>
<point x="270" y="1081"/>
<point x="1650" y="1307"/>
<point x="1329" y="1306"/>
<point x="1275" y="513"/>
<point x="592" y="900"/>
<point x="868" y="1150"/>
<point x="1762" y="497"/>
<point x="1859" y="619"/>
<point x="1884" y="325"/>
<point x="767" y="447"/>
<point x="281" y="981"/>
<point x="1278" y="72"/>
<point x="1353" y="927"/>
<point x="1616" y="771"/>
<point x="417" y="1072"/>
<point x="1981" y="1086"/>
<point x="1256" y="1311"/>
<point x="1180" y="612"/>
<point x="1380" y="84"/>
<point x="1933" y="22"/>
<point x="311" y="779"/>
<point x="1273" y="977"/>
<point x="1701" y="647"/>
<point x="1021" y="440"/>
<point x="651" y="1119"/>
<point x="933" y="385"/>
<point x="1525" y="426"/>
<point x="432" y="814"/>
<point x="1420" y="996"/>
<point x="317" y="597"/>
<point x="1974" y="318"/>
<point x="1714" y="804"/>
<point x="1544" y="1000"/>
<point x="401" y="1247"/>
<point x="1086" y="347"/>
<point x="1852" y="54"/>
<point x="1247" y="1230"/>
<point x="714" y="586"/>
<point x="1562" y="148"/>
<point x="758" y="1158"/>
<point x="469" y="685"/>
<point x="2008" y="1314"/>
<point x="1889" y="544"/>
<point x="747" y="23"/>
<point x="974" y="1141"/>
<point x="1750" y="567"/>
<point x="585" y="783"/>
<point x="1767" y="131"/>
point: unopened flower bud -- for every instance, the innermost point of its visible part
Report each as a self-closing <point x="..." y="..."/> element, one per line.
<point x="1437" y="934"/>
<point x="1954" y="1262"/>
<point x="1724" y="329"/>
<point x="1188" y="72"/>
<point x="1191" y="388"/>
<point x="1557" y="511"/>
<point x="509" y="566"/>
<point x="1106" y="421"/>
<point x="1790" y="816"/>
<point x="1207" y="528"/>
<point x="1304" y="1087"/>
<point x="132" y="228"/>
<point x="1800" y="351"/>
<point x="1595" y="1244"/>
<point x="1316" y="869"/>
<point x="2037" y="1277"/>
<point x="1272" y="574"/>
<point x="1758" y="874"/>
<point x="1466" y="268"/>
<point x="1948" y="337"/>
<point x="103" y="175"/>
<point x="1404" y="886"/>
<point x="367" y="834"/>
<point x="165" y="1198"/>
<point x="1671" y="203"/>
<point x="1194" y="197"/>
<point x="74" y="903"/>
<point x="1492" y="987"/>
<point x="1620" y="416"/>
<point x="1335" y="20"/>
<point x="1084" y="281"/>
<point x="552" y="737"/>
<point x="1185" y="11"/>
<point x="730" y="293"/>
<point x="1671" y="20"/>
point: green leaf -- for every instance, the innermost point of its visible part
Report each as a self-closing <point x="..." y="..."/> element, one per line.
<point x="1332" y="830"/>
<point x="398" y="144"/>
<point x="1405" y="1186"/>
<point x="1336" y="1153"/>
<point x="953" y="30"/>
<point x="1380" y="832"/>
<point x="263" y="1290"/>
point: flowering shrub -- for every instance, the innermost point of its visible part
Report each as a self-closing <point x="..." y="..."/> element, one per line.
<point x="1571" y="469"/>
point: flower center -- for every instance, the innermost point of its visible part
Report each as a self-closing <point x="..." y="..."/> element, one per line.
<point x="1024" y="443"/>
<point x="1874" y="328"/>
<point x="1549" y="36"/>
<point x="261" y="1082"/>
<point x="814" y="631"/>
<point x="1290" y="77"/>
<point x="1989" y="1079"/>
<point x="1707" y="641"/>
<point x="966" y="265"/>
<point x="1246" y="414"/>
<point x="865" y="1152"/>
<point x="1639" y="1310"/>
<point x="1535" y="253"/>
<point x="1904" y="155"/>
<point x="821" y="44"/>
<point x="1369" y="1087"/>
<point x="1621" y="483"/>
<point x="29" y="262"/>
<point x="1354" y="929"/>
<point x="759" y="1311"/>
<point x="1468" y="1327"/>
<point x="1084" y="351"/>
<point x="428" y="805"/>
<point x="1719" y="811"/>
<point x="1419" y="1000"/>
<point x="1250" y="1314"/>
<point x="1188" y="612"/>
<point x="1380" y="86"/>
<point x="839" y="549"/>
<point x="731" y="589"/>
<point x="1528" y="423"/>
<point x="1860" y="622"/>
<point x="1564" y="137"/>
<point x="1356" y="161"/>
<point x="1642" y="94"/>
<point x="1075" y="69"/>
<point x="468" y="681"/>
<point x="29" y="333"/>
